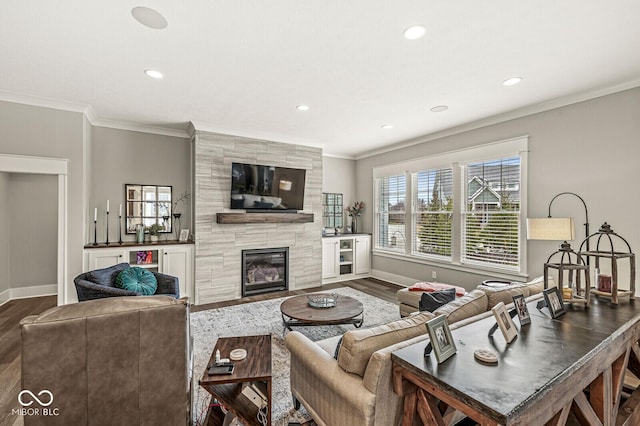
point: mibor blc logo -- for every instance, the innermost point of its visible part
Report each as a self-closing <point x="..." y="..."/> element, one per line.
<point x="42" y="401"/>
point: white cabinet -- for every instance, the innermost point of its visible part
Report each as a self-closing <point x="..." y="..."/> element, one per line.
<point x="330" y="254"/>
<point x="176" y="261"/>
<point x="362" y="253"/>
<point x="103" y="258"/>
<point x="345" y="258"/>
<point x="171" y="259"/>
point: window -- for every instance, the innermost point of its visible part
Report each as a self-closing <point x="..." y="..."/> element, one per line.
<point x="466" y="208"/>
<point x="433" y="212"/>
<point x="390" y="212"/>
<point x="491" y="216"/>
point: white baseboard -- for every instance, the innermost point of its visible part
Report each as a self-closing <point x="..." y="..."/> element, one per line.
<point x="33" y="291"/>
<point x="393" y="278"/>
<point x="5" y="296"/>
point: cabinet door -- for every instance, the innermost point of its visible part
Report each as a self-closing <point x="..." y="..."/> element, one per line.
<point x="176" y="261"/>
<point x="363" y="255"/>
<point x="330" y="262"/>
<point x="103" y="258"/>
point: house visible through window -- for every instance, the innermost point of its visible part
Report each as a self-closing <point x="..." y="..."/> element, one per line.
<point x="491" y="216"/>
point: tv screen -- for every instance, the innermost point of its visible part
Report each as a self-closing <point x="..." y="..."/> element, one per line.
<point x="256" y="187"/>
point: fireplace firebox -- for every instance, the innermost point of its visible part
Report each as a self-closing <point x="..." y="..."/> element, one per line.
<point x="265" y="270"/>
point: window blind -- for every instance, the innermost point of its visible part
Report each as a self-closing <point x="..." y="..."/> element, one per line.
<point x="432" y="213"/>
<point x="491" y="217"/>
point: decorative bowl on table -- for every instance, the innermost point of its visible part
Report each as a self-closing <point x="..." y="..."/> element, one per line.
<point x="322" y="301"/>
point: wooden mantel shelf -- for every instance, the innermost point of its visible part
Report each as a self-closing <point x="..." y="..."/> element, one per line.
<point x="264" y="217"/>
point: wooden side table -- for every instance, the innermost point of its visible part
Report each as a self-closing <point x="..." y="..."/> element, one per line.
<point x="227" y="388"/>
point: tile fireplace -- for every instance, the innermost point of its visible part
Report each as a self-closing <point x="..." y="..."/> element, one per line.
<point x="265" y="270"/>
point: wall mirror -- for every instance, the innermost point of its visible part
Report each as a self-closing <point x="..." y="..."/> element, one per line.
<point x="332" y="210"/>
<point x="148" y="204"/>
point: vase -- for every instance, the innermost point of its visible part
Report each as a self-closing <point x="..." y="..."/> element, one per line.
<point x="140" y="233"/>
<point x="354" y="225"/>
<point x="177" y="223"/>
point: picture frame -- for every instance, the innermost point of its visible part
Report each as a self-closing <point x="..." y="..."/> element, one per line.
<point x="553" y="299"/>
<point x="521" y="309"/>
<point x="506" y="325"/>
<point x="441" y="339"/>
<point x="184" y="235"/>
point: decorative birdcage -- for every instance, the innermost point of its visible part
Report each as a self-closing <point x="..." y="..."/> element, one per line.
<point x="610" y="247"/>
<point x="572" y="272"/>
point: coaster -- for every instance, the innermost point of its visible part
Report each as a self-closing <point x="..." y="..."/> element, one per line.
<point x="485" y="356"/>
<point x="238" y="354"/>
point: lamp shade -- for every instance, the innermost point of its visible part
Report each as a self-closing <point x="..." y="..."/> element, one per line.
<point x="550" y="228"/>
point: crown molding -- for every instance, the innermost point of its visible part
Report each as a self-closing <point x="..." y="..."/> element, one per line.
<point x="19" y="98"/>
<point x="89" y="113"/>
<point x="143" y="128"/>
<point x="510" y="115"/>
<point x="341" y="157"/>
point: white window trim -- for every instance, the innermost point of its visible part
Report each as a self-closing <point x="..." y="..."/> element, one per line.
<point x="511" y="147"/>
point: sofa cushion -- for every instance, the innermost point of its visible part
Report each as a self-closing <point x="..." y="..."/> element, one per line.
<point x="106" y="276"/>
<point x="463" y="307"/>
<point x="431" y="301"/>
<point x="138" y="280"/>
<point x="504" y="294"/>
<point x="358" y="345"/>
<point x="536" y="285"/>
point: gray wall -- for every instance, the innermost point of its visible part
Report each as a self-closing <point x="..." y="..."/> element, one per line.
<point x="4" y="235"/>
<point x="590" y="148"/>
<point x="219" y="246"/>
<point x="339" y="175"/>
<point x="36" y="131"/>
<point x="33" y="233"/>
<point x="122" y="156"/>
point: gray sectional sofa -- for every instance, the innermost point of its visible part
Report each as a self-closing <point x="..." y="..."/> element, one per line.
<point x="347" y="380"/>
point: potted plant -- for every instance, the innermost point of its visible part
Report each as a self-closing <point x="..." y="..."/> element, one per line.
<point x="154" y="231"/>
<point x="355" y="211"/>
<point x="176" y="214"/>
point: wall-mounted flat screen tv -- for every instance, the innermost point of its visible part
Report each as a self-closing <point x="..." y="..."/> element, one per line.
<point x="256" y="187"/>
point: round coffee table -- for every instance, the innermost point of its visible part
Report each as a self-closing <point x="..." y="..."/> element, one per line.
<point x="297" y="312"/>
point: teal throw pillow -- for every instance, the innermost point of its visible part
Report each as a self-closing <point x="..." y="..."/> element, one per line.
<point x="136" y="279"/>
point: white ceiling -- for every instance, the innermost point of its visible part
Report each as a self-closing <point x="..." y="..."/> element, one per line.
<point x="241" y="67"/>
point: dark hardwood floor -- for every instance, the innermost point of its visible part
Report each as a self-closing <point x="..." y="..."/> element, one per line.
<point x="10" y="315"/>
<point x="13" y="311"/>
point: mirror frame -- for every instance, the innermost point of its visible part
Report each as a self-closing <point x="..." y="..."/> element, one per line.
<point x="150" y="211"/>
<point x="332" y="210"/>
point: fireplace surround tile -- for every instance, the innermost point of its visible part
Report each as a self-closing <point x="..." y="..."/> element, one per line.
<point x="219" y="246"/>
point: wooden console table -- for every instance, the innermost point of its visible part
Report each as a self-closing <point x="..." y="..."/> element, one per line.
<point x="574" y="364"/>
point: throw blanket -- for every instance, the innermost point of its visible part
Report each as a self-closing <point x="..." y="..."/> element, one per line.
<point x="430" y="287"/>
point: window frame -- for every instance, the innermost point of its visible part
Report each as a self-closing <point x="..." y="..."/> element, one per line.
<point x="456" y="160"/>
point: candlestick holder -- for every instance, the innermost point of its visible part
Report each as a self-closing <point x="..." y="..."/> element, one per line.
<point x="107" y="242"/>
<point x="119" y="229"/>
<point x="95" y="232"/>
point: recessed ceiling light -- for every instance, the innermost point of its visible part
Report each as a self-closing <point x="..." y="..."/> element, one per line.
<point x="387" y="126"/>
<point x="153" y="73"/>
<point x="302" y="107"/>
<point x="149" y="17"/>
<point x="439" y="108"/>
<point x="512" y="81"/>
<point x="414" y="32"/>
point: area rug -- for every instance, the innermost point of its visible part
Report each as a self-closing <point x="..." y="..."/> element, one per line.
<point x="264" y="318"/>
